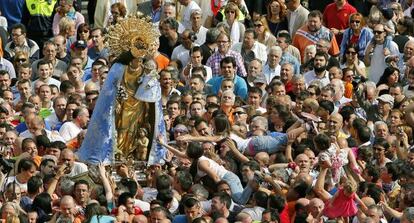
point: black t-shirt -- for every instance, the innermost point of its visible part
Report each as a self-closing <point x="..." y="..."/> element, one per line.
<point x="165" y="48"/>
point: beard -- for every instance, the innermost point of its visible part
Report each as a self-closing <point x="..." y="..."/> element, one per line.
<point x="319" y="69"/>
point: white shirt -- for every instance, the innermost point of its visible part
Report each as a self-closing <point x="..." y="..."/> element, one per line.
<point x="78" y="168"/>
<point x="181" y="53"/>
<point x="259" y="50"/>
<point x="378" y="64"/>
<point x="270" y="73"/>
<point x="49" y="82"/>
<point x="69" y="130"/>
<point x="310" y="76"/>
<point x="201" y="36"/>
<point x="51" y="135"/>
<point x="186" y="14"/>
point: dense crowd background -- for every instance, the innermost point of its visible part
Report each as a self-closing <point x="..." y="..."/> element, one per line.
<point x="275" y="110"/>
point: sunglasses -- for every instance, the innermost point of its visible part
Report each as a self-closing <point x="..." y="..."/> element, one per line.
<point x="85" y="31"/>
<point x="351" y="52"/>
<point x="377" y="32"/>
<point x="21" y="59"/>
<point x="258" y="25"/>
<point x="355" y="21"/>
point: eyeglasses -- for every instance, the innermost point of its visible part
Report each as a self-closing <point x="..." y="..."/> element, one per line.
<point x="377" y="32"/>
<point x="16" y="35"/>
<point x="258" y="25"/>
<point x="355" y="21"/>
<point x="351" y="52"/>
<point x="231" y="12"/>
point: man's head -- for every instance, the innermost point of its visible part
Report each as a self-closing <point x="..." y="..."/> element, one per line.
<point x="249" y="39"/>
<point x="80" y="49"/>
<point x="97" y="37"/>
<point x="316" y="206"/>
<point x="228" y="98"/>
<point x="47" y="167"/>
<point x="165" y="79"/>
<point x="274" y="56"/>
<point x="169" y="27"/>
<point x="375" y="213"/>
<point x="223" y="43"/>
<point x="45" y="93"/>
<point x="81" y="117"/>
<point x="60" y="43"/>
<point x="44" y="71"/>
<point x="298" y="84"/>
<point x="286" y="72"/>
<point x="385" y="104"/>
<point x="25" y="88"/>
<point x="381" y="129"/>
<point x="196" y="19"/>
<point x="379" y="33"/>
<point x="255" y="68"/>
<point x="187" y="38"/>
<point x="283" y="40"/>
<point x="228" y="67"/>
<point x="49" y="51"/>
<point x="67" y="158"/>
<point x="18" y="34"/>
<point x="314" y="21"/>
<point x="82" y="192"/>
<point x="5" y="80"/>
<point x="192" y="208"/>
<point x="320" y="62"/>
<point x="67" y="206"/>
<point x="323" y="45"/>
<point x="221" y="202"/>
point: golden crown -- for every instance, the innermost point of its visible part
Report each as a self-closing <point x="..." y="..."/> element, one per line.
<point x="134" y="33"/>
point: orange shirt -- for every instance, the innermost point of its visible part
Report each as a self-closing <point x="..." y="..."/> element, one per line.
<point x="162" y="61"/>
<point x="303" y="38"/>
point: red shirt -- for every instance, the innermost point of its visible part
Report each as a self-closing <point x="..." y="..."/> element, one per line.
<point x="338" y="18"/>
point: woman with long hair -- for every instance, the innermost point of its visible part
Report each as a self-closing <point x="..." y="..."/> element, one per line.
<point x="83" y="33"/>
<point x="202" y="166"/>
<point x="357" y="34"/>
<point x="264" y="36"/>
<point x="276" y="16"/>
<point x="390" y="77"/>
<point x="236" y="28"/>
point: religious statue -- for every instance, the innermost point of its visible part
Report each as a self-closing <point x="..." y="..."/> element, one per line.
<point x="130" y="99"/>
<point x="141" y="150"/>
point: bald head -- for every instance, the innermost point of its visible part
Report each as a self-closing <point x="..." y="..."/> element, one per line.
<point x="262" y="158"/>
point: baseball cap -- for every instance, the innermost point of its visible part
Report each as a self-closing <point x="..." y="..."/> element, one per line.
<point x="80" y="44"/>
<point x="387" y="99"/>
<point x="260" y="79"/>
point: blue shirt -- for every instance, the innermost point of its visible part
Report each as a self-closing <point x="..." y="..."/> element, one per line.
<point x="12" y="10"/>
<point x="240" y="86"/>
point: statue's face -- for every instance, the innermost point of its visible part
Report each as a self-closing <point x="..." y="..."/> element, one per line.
<point x="135" y="63"/>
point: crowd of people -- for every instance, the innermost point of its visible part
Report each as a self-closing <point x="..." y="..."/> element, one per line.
<point x="273" y="111"/>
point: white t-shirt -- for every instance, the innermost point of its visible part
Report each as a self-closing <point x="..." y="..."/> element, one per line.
<point x="186" y="14"/>
<point x="69" y="130"/>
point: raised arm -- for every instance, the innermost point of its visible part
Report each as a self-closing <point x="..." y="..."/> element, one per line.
<point x="105" y="182"/>
<point x="175" y="151"/>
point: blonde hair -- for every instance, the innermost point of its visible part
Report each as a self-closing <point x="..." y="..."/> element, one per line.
<point x="350" y="186"/>
<point x="65" y="24"/>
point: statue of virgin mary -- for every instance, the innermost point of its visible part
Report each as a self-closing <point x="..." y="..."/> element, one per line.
<point x="130" y="98"/>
